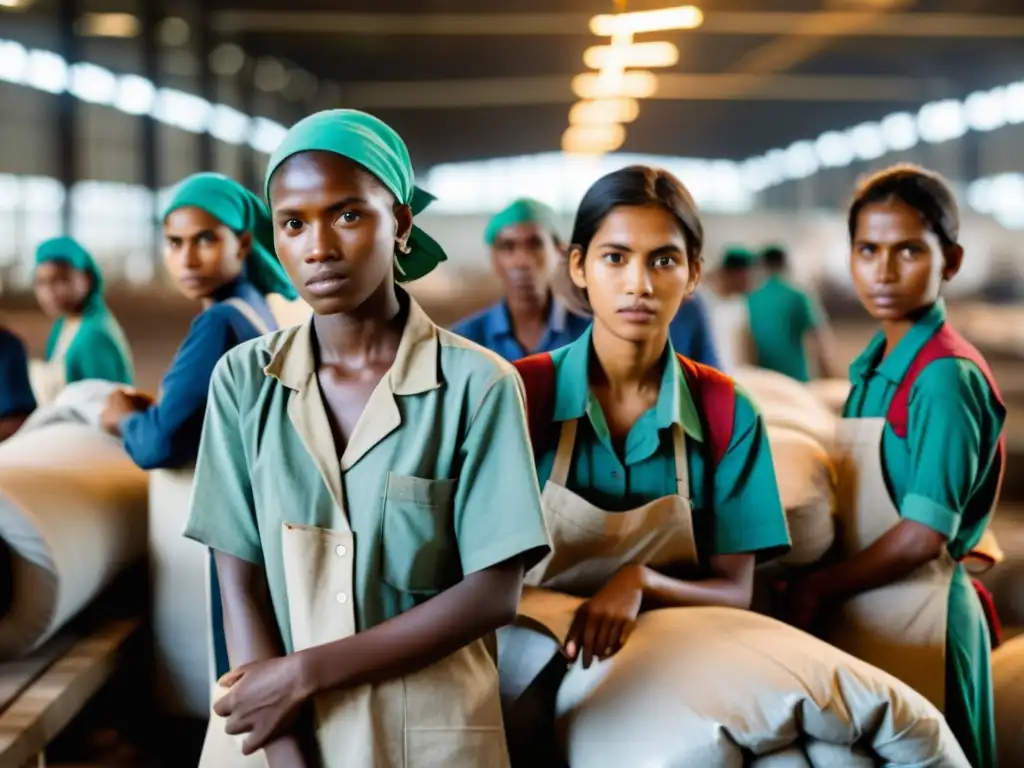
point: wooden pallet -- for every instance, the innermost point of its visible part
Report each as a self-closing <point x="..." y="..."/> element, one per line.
<point x="53" y="697"/>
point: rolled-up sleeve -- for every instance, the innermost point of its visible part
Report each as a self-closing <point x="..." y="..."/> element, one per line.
<point x="497" y="502"/>
<point x="223" y="514"/>
<point x="954" y="422"/>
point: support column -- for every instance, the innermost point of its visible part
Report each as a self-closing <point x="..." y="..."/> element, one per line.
<point x="68" y="12"/>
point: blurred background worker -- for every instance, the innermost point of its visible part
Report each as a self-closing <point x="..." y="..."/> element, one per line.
<point x="725" y="294"/>
<point x="524" y="250"/>
<point x="691" y="334"/>
<point x="789" y="329"/>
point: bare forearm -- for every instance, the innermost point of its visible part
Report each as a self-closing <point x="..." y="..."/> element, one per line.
<point x="895" y="555"/>
<point x="733" y="589"/>
<point x="252" y="635"/>
<point x="473" y="608"/>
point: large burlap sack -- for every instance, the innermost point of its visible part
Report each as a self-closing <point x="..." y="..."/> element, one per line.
<point x="1008" y="685"/>
<point x="806" y="483"/>
<point x="785" y="402"/>
<point x="721" y="688"/>
<point x="831" y="392"/>
<point x="73" y="516"/>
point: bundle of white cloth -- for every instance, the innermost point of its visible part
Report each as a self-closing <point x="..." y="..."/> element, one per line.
<point x="72" y="515"/>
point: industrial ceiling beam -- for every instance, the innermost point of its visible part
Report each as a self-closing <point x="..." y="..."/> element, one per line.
<point x="555" y="89"/>
<point x="753" y="23"/>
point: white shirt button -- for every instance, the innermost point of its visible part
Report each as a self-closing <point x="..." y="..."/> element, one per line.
<point x="341" y="550"/>
<point x="341" y="597"/>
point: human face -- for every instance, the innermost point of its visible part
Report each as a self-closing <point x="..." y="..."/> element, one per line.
<point x="200" y="253"/>
<point x="335" y="228"/>
<point x="897" y="262"/>
<point x="523" y="255"/>
<point x="636" y="272"/>
<point x="61" y="289"/>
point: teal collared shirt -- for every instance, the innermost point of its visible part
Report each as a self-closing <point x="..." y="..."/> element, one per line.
<point x="781" y="316"/>
<point x="942" y="475"/>
<point x="493" y="330"/>
<point x="736" y="504"/>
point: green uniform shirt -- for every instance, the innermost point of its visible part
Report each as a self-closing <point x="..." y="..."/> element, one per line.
<point x="99" y="349"/>
<point x="942" y="476"/>
<point x="736" y="504"/>
<point x="437" y="480"/>
<point x="781" y="316"/>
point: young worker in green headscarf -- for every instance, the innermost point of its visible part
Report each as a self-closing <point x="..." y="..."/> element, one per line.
<point x="219" y="250"/>
<point x="86" y="341"/>
<point x="524" y="250"/>
<point x="367" y="482"/>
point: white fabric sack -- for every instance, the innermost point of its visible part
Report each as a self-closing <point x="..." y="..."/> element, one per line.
<point x="73" y="514"/>
<point x="785" y="402"/>
<point x="714" y="687"/>
<point x="806" y="483"/>
<point x="78" y="403"/>
<point x="1008" y="687"/>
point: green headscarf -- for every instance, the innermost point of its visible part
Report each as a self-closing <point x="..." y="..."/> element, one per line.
<point x="523" y="210"/>
<point x="737" y="257"/>
<point x="69" y="251"/>
<point x="373" y="144"/>
<point x="241" y="211"/>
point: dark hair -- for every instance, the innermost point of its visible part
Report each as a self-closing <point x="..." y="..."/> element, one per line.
<point x="924" y="191"/>
<point x="635" y="185"/>
<point x="774" y="257"/>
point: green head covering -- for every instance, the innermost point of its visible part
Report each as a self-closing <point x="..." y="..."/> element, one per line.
<point x="373" y="144"/>
<point x="68" y="251"/>
<point x="241" y="211"/>
<point x="521" y="211"/>
<point x="738" y="258"/>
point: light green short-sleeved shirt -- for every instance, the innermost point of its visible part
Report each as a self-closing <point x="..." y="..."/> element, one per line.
<point x="437" y="480"/>
<point x="781" y="316"/>
<point x="736" y="504"/>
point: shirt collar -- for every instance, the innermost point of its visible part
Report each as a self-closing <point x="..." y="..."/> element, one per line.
<point x="573" y="399"/>
<point x="500" y="320"/>
<point x="414" y="371"/>
<point x="896" y="364"/>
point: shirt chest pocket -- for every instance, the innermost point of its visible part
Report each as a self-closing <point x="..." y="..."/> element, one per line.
<point x="420" y="549"/>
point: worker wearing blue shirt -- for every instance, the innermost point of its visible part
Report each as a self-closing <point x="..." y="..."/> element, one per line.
<point x="524" y="249"/>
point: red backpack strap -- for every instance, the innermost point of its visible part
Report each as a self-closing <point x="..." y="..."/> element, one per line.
<point x="715" y="394"/>
<point x="538" y="375"/>
<point x="946" y="343"/>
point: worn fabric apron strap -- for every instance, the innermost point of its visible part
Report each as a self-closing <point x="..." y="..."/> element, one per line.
<point x="48" y="378"/>
<point x="589" y="545"/>
<point x="901" y="627"/>
<point x="249" y="314"/>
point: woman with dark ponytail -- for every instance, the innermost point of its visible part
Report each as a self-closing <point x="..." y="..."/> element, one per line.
<point x="923" y="430"/>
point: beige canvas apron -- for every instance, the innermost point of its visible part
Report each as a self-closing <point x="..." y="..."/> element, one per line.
<point x="179" y="572"/>
<point x="901" y="627"/>
<point x="589" y="545"/>
<point x="49" y="377"/>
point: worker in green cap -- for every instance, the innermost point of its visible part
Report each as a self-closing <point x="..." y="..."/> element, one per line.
<point x="86" y="341"/>
<point x="219" y="252"/>
<point x="529" y="319"/>
<point x="789" y="329"/>
<point x="367" y="483"/>
<point x="725" y="296"/>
